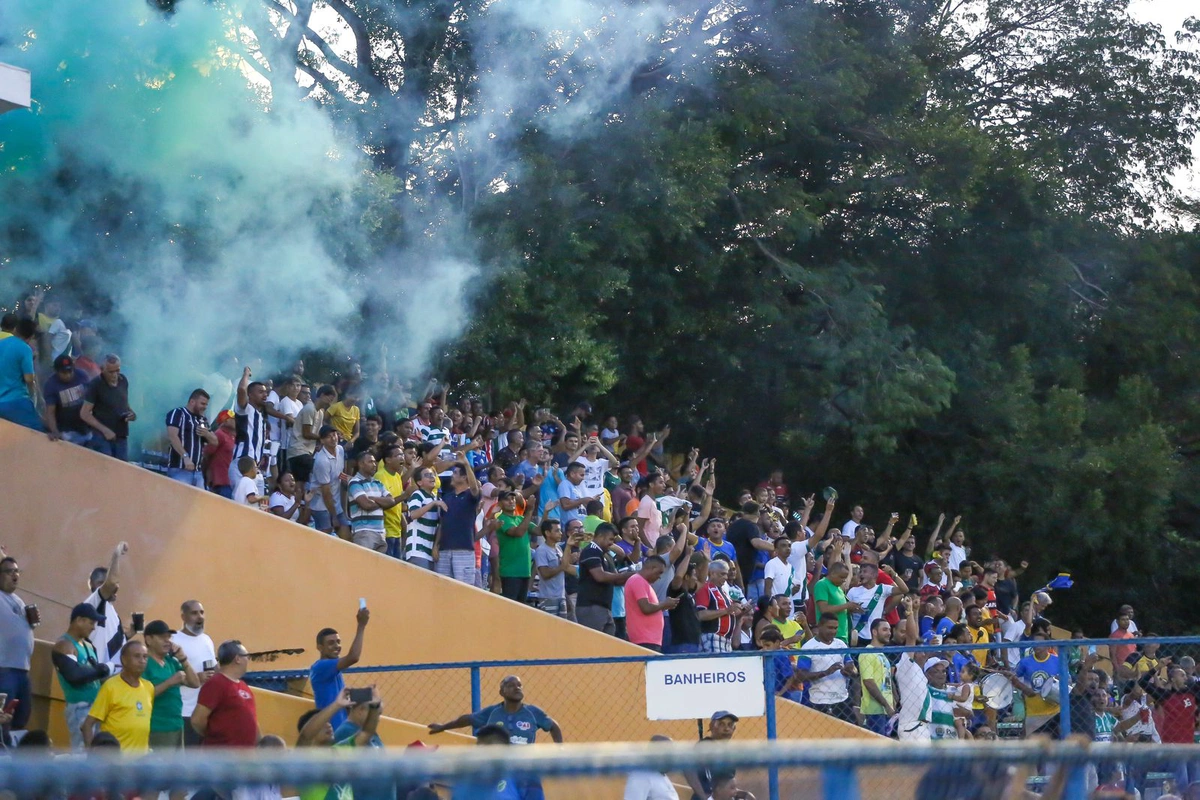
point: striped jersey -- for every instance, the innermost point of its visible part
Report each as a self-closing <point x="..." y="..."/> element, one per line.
<point x="361" y="519"/>
<point x="251" y="432"/>
<point x="189" y="426"/>
<point x="439" y="437"/>
<point x="423" y="531"/>
<point x="943" y="714"/>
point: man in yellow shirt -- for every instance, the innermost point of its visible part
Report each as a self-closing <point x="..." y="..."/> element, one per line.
<point x="124" y="703"/>
<point x="391" y="475"/>
<point x="980" y="629"/>
<point x="344" y="415"/>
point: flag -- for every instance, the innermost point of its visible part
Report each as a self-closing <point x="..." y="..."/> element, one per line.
<point x="1061" y="581"/>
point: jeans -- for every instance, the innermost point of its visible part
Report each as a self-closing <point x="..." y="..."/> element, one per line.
<point x="755" y="589"/>
<point x="75" y="437"/>
<point x="684" y="648"/>
<point x="395" y="547"/>
<point x="15" y="684"/>
<point x="23" y="413"/>
<point x="75" y="714"/>
<point x="117" y="448"/>
<point x="877" y="723"/>
<point x="224" y="491"/>
<point x="515" y="588"/>
<point x="192" y="477"/>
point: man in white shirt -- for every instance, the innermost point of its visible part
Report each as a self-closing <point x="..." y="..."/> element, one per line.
<point x="826" y="673"/>
<point x="1125" y="610"/>
<point x="915" y="717"/>
<point x="856" y="518"/>
<point x="875" y="598"/>
<point x="326" y="483"/>
<point x="779" y="575"/>
<point x="108" y="637"/>
<point x="597" y="460"/>
<point x="199" y="649"/>
<point x="289" y="406"/>
<point x="647" y="785"/>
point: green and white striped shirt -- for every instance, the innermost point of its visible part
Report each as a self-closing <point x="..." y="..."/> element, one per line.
<point x="421" y="531"/>
<point x="943" y="714"/>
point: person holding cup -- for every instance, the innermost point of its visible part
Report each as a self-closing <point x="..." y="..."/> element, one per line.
<point x="17" y="622"/>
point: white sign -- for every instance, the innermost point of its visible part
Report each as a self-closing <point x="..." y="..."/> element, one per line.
<point x="14" y="88"/>
<point x="697" y="688"/>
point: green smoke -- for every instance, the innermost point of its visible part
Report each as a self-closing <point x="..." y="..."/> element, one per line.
<point x="205" y="217"/>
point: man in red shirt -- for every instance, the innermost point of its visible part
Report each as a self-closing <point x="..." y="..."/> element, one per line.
<point x="220" y="454"/>
<point x="715" y="611"/>
<point x="1176" y="698"/>
<point x="225" y="714"/>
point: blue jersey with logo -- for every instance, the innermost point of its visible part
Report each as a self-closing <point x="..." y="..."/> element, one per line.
<point x="522" y="727"/>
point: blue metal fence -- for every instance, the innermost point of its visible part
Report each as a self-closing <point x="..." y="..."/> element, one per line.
<point x="475" y="670"/>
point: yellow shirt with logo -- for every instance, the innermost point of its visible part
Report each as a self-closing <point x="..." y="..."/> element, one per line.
<point x="393" y="518"/>
<point x="124" y="711"/>
<point x="343" y="418"/>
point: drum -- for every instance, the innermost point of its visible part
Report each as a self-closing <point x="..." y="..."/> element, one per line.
<point x="997" y="691"/>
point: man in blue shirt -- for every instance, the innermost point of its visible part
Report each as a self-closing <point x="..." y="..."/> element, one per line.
<point x="503" y="789"/>
<point x="18" y="390"/>
<point x="517" y="720"/>
<point x="325" y="674"/>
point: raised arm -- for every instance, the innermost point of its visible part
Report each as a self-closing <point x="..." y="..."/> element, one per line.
<point x="355" y="652"/>
<point x="458" y="722"/>
<point x="108" y="589"/>
<point x="710" y="486"/>
<point x="243" y="393"/>
<point x="323" y="717"/>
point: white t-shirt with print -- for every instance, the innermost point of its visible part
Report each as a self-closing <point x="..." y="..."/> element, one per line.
<point x="832" y="688"/>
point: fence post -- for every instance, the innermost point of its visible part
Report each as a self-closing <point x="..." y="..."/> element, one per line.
<point x="839" y="782"/>
<point x="1064" y="692"/>
<point x="769" y="679"/>
<point x="476" y="690"/>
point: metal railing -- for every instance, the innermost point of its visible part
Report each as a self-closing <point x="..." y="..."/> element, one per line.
<point x="825" y="770"/>
<point x="466" y="679"/>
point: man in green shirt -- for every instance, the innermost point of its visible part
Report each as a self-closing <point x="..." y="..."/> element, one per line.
<point x="830" y="597"/>
<point x="167" y="668"/>
<point x="80" y="672"/>
<point x="516" y="557"/>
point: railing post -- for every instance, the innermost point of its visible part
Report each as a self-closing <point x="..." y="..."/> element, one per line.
<point x="1064" y="692"/>
<point x="769" y="679"/>
<point x="476" y="690"/>
<point x="839" y="782"/>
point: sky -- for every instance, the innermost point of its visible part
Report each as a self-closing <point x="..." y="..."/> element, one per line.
<point x="1170" y="14"/>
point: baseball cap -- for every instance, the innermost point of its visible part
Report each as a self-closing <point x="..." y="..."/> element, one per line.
<point x="63" y="362"/>
<point x="723" y="715"/>
<point x="157" y="628"/>
<point x="325" y="431"/>
<point x="87" y="612"/>
<point x="934" y="662"/>
<point x="224" y="415"/>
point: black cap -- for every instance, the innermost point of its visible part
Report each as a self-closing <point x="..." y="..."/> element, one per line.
<point x="63" y="362"/>
<point x="325" y="431"/>
<point x="157" y="628"/>
<point x="87" y="612"/>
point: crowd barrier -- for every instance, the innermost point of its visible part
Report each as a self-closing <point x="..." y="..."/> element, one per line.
<point x="550" y="683"/>
<point x="818" y="770"/>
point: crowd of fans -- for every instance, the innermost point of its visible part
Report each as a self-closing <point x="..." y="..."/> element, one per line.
<point x="588" y="520"/>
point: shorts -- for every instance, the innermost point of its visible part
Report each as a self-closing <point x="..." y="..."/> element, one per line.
<point x="75" y="714"/>
<point x="323" y="522"/>
<point x="554" y="605"/>
<point x="22" y="412"/>
<point x="301" y="468"/>
<point x="166" y="740"/>
<point x="598" y="618"/>
<point x="715" y="643"/>
<point x="918" y="732"/>
<point x="372" y="540"/>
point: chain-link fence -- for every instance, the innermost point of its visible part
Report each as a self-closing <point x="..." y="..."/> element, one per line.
<point x="1072" y="770"/>
<point x="1133" y="690"/>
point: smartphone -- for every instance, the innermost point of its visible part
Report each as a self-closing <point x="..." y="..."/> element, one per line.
<point x="3" y="699"/>
<point x="360" y="696"/>
<point x="139" y="621"/>
<point x="362" y="603"/>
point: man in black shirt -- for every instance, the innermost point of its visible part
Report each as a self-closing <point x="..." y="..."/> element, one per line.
<point x="597" y="577"/>
<point x="63" y="392"/>
<point x="684" y="621"/>
<point x="907" y="563"/>
<point x="106" y="409"/>
<point x="187" y="433"/>
<point x="747" y="539"/>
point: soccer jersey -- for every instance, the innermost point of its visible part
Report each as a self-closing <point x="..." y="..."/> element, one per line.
<point x="124" y="711"/>
<point x="364" y="520"/>
<point x="421" y="531"/>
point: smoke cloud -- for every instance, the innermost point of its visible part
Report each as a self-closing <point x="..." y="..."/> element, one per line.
<point x="199" y="222"/>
